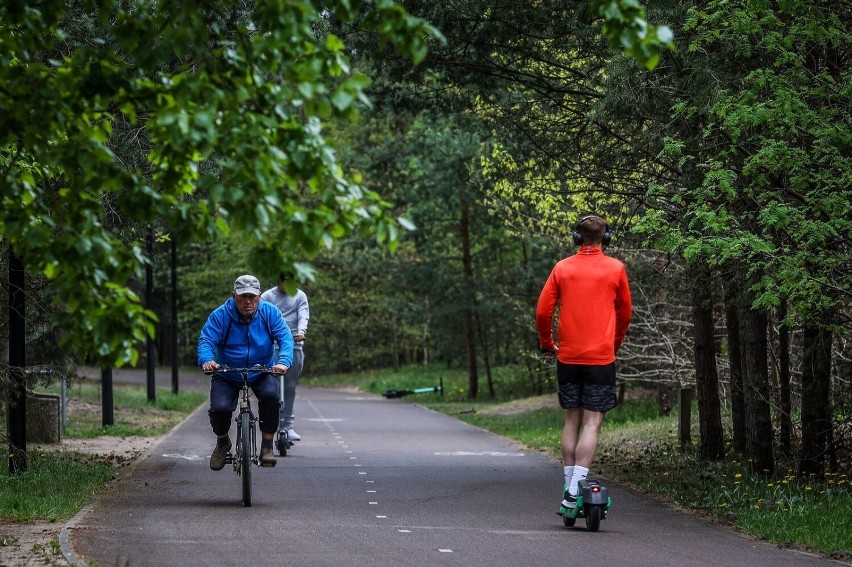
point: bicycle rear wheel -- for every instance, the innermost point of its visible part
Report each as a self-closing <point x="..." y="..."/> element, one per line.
<point x="245" y="457"/>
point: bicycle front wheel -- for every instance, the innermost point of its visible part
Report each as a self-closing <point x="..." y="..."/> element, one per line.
<point x="245" y="457"/>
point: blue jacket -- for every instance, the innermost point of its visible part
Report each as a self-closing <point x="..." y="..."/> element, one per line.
<point x="229" y="341"/>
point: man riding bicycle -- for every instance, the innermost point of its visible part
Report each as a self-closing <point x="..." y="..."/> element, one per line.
<point x="241" y="333"/>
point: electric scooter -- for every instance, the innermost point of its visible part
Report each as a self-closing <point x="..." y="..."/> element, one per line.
<point x="593" y="502"/>
<point x="282" y="440"/>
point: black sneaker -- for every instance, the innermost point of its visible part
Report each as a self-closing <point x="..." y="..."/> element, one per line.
<point x="569" y="501"/>
<point x="219" y="456"/>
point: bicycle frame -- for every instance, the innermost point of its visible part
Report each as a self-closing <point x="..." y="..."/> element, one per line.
<point x="245" y="451"/>
<point x="245" y="409"/>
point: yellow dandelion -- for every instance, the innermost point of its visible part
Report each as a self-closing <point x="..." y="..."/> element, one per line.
<point x="808" y="488"/>
<point x="738" y="475"/>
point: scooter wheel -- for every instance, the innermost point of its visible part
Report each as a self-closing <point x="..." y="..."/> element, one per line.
<point x="593" y="518"/>
<point x="283" y="444"/>
<point x="569" y="522"/>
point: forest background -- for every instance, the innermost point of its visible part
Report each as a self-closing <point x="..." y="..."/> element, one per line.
<point x="423" y="231"/>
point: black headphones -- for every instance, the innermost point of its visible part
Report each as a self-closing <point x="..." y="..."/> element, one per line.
<point x="578" y="237"/>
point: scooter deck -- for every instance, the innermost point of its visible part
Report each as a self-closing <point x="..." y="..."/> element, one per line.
<point x="575" y="512"/>
<point x="579" y="510"/>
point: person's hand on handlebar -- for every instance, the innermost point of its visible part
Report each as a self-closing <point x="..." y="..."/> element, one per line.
<point x="210" y="365"/>
<point x="279" y="369"/>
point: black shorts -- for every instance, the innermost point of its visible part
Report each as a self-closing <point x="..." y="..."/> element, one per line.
<point x="589" y="387"/>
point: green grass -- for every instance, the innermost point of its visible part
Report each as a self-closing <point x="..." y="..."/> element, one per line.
<point x="640" y="449"/>
<point x="54" y="486"/>
<point x="786" y="511"/>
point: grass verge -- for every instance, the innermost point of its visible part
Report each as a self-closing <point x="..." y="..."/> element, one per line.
<point x="54" y="486"/>
<point x="133" y="416"/>
<point x="640" y="449"/>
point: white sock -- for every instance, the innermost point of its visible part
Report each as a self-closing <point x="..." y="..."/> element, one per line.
<point x="579" y="474"/>
<point x="569" y="472"/>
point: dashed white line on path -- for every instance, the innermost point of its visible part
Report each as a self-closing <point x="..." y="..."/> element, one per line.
<point x="477" y="454"/>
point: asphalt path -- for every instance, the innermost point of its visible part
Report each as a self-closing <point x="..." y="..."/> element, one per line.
<point x="382" y="482"/>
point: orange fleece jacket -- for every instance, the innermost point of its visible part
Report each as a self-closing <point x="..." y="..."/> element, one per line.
<point x="593" y="296"/>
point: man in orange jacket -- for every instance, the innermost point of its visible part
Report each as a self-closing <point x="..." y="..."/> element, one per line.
<point x="593" y="296"/>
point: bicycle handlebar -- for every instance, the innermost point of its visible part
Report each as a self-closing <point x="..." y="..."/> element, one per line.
<point x="255" y="368"/>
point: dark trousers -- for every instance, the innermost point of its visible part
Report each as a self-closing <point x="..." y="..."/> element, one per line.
<point x="225" y="394"/>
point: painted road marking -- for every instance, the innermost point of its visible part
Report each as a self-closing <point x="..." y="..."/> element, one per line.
<point x="477" y="454"/>
<point x="179" y="456"/>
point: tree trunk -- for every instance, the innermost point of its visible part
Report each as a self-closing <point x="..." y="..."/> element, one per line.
<point x="786" y="409"/>
<point x="706" y="377"/>
<point x="467" y="286"/>
<point x="732" y="321"/>
<point x="756" y="389"/>
<point x="486" y="354"/>
<point x="16" y="409"/>
<point x="427" y="313"/>
<point x="816" y="401"/>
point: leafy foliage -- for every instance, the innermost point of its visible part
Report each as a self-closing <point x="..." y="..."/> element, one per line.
<point x="625" y="25"/>
<point x="191" y="118"/>
<point x="767" y="154"/>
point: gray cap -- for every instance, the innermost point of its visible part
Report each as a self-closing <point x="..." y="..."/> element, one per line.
<point x="246" y="284"/>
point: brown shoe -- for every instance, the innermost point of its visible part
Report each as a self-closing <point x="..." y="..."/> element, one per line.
<point x="267" y="458"/>
<point x="219" y="456"/>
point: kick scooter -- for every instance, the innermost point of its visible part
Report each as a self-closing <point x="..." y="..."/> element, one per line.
<point x="592" y="504"/>
<point x="282" y="441"/>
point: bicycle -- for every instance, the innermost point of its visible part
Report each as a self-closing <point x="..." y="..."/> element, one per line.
<point x="245" y="452"/>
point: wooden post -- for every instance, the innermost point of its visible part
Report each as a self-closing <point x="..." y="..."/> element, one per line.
<point x="175" y="343"/>
<point x="685" y="416"/>
<point x="149" y="304"/>
<point x="106" y="395"/>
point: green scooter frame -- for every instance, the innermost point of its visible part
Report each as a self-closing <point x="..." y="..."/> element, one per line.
<point x="593" y="503"/>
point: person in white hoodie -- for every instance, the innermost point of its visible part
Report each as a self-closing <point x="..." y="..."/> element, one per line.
<point x="295" y="310"/>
